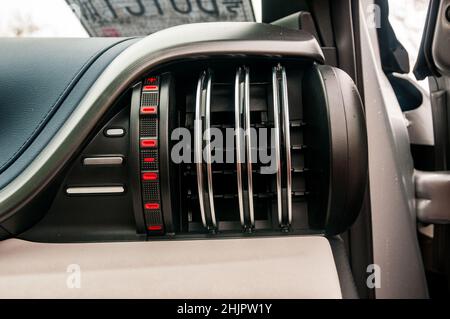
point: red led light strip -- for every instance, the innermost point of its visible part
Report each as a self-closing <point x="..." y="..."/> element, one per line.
<point x="148" y="110"/>
<point x="149" y="143"/>
<point x="151" y="206"/>
<point x="150" y="87"/>
<point x="150" y="176"/>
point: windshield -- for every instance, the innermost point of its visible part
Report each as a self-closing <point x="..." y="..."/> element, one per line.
<point x="115" y="18"/>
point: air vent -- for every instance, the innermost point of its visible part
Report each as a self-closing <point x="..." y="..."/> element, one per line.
<point x="240" y="131"/>
<point x="253" y="177"/>
<point x="258" y="147"/>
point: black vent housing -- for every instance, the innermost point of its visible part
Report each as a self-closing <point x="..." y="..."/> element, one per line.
<point x="328" y="147"/>
<point x="328" y="151"/>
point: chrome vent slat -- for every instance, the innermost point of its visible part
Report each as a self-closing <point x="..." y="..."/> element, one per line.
<point x="198" y="143"/>
<point x="238" y="134"/>
<point x="248" y="145"/>
<point x="243" y="147"/>
<point x="276" y="123"/>
<point x="208" y="149"/>
<point x="203" y="116"/>
<point x="281" y="105"/>
<point x="287" y="141"/>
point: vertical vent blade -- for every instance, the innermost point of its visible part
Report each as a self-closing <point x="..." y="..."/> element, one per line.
<point x="280" y="98"/>
<point x="198" y="143"/>
<point x="208" y="149"/>
<point x="244" y="148"/>
<point x="238" y="108"/>
<point x="276" y="122"/>
<point x="202" y="124"/>
<point x="248" y="135"/>
<point x="287" y="141"/>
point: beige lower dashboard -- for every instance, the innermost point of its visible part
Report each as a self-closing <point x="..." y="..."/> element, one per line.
<point x="283" y="267"/>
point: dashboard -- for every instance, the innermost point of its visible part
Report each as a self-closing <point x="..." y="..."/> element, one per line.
<point x="118" y="175"/>
<point x="234" y="132"/>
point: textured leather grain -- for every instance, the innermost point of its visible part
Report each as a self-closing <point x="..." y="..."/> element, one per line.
<point x="36" y="75"/>
<point x="41" y="82"/>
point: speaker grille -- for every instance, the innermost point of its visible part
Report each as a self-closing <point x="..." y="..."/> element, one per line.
<point x="149" y="127"/>
<point x="149" y="159"/>
<point x="149" y="99"/>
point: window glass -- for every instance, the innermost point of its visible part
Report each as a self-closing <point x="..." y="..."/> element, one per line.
<point x="84" y="18"/>
<point x="407" y="18"/>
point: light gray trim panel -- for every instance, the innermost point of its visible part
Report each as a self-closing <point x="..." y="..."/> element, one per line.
<point x="192" y="41"/>
<point x="432" y="200"/>
<point x="395" y="245"/>
<point x="227" y="268"/>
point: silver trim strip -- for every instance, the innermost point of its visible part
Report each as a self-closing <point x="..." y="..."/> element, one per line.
<point x="198" y="146"/>
<point x="276" y="123"/>
<point x="248" y="144"/>
<point x="238" y="107"/>
<point x="103" y="160"/>
<point x="198" y="40"/>
<point x="115" y="132"/>
<point x="287" y="141"/>
<point x="92" y="190"/>
<point x="208" y="148"/>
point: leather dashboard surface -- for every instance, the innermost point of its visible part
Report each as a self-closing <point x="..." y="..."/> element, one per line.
<point x="37" y="76"/>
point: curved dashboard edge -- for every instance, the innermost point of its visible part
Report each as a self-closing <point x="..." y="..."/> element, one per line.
<point x="37" y="76"/>
<point x="218" y="39"/>
<point x="71" y="100"/>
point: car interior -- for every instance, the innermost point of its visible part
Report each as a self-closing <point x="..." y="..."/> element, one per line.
<point x="292" y="157"/>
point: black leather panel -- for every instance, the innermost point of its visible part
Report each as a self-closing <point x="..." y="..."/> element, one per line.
<point x="36" y="76"/>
